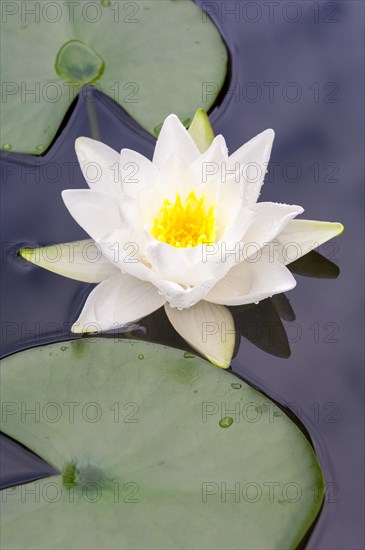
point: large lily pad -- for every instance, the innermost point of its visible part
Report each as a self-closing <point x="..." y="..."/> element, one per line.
<point x="154" y="57"/>
<point x="150" y="442"/>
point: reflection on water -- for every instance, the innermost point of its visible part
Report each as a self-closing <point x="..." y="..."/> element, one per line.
<point x="261" y="324"/>
<point x="315" y="265"/>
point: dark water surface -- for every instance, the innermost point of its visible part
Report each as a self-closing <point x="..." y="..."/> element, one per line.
<point x="303" y="78"/>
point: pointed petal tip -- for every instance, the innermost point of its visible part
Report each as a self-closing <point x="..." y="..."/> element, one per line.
<point x="221" y="140"/>
<point x="267" y="136"/>
<point x="308" y="234"/>
<point x="221" y="364"/>
<point x="201" y="130"/>
<point x="200" y="114"/>
<point x="224" y="357"/>
<point x="23" y="252"/>
<point x="293" y="285"/>
<point x="208" y="328"/>
<point x="340" y="227"/>
<point x="173" y="123"/>
<point x="27" y="253"/>
<point x="75" y="329"/>
<point x="80" y="142"/>
<point x="269" y="133"/>
<point x="299" y="208"/>
<point x="65" y="194"/>
<point x="78" y="328"/>
<point x="173" y="118"/>
<point x="87" y="148"/>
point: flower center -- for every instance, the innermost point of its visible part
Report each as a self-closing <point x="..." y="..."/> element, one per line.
<point x="187" y="223"/>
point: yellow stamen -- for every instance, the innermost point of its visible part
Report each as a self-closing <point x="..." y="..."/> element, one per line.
<point x="185" y="223"/>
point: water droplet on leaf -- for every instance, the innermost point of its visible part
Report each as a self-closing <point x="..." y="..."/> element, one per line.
<point x="141" y="356"/>
<point x="78" y="62"/>
<point x="236" y="385"/>
<point x="226" y="422"/>
<point x="7" y="147"/>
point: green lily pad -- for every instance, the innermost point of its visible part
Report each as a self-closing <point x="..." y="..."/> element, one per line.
<point x="153" y="57"/>
<point x="156" y="449"/>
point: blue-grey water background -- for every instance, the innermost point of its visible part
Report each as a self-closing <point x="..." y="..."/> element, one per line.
<point x="297" y="67"/>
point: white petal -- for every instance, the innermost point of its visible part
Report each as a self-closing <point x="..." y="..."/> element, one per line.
<point x="174" y="138"/>
<point x="170" y="262"/>
<point x="211" y="164"/>
<point x="208" y="328"/>
<point x="301" y="236"/>
<point x="271" y="219"/>
<point x="79" y="260"/>
<point x="176" y="177"/>
<point x="136" y="171"/>
<point x="186" y="266"/>
<point x="125" y="253"/>
<point x="119" y="300"/>
<point x="181" y="297"/>
<point x="230" y="200"/>
<point x="217" y="259"/>
<point x="240" y="223"/>
<point x="97" y="213"/>
<point x="252" y="281"/>
<point x="132" y="220"/>
<point x="127" y="256"/>
<point x="250" y="162"/>
<point x="99" y="164"/>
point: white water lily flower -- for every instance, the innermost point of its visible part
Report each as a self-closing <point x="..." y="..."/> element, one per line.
<point x="184" y="231"/>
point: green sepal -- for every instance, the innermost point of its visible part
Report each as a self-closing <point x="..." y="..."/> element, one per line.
<point x="201" y="130"/>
